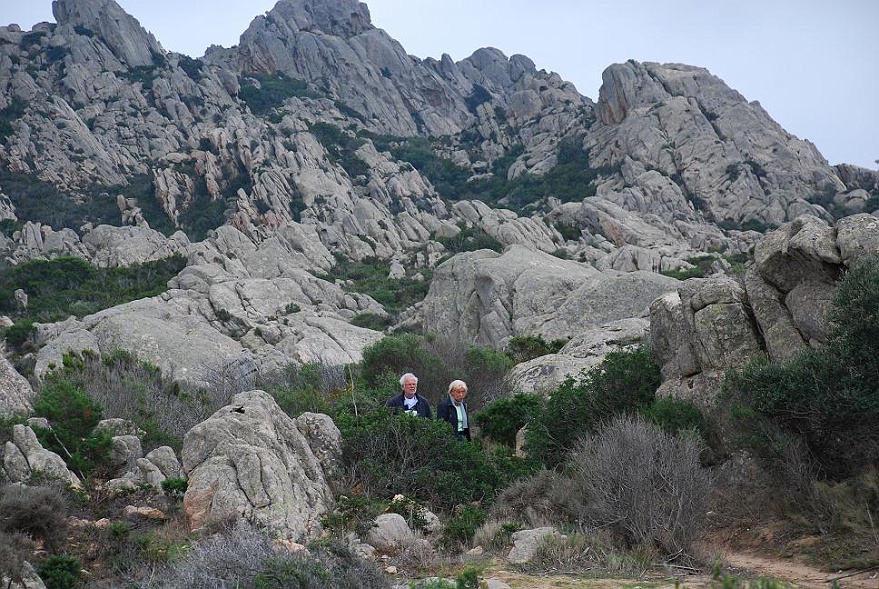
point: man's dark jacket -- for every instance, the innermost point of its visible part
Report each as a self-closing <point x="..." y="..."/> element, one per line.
<point x="422" y="406"/>
<point x="446" y="411"/>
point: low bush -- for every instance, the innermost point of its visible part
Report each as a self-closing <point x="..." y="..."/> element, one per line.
<point x="502" y="419"/>
<point x="124" y="386"/>
<point x="244" y="556"/>
<point x="16" y="549"/>
<point x="460" y="528"/>
<point x="676" y="416"/>
<point x="643" y="482"/>
<point x="39" y="512"/>
<point x="547" y="497"/>
<point x="353" y="513"/>
<point x="527" y="347"/>
<point x="60" y="572"/>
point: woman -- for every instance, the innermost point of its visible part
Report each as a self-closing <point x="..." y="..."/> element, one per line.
<point x="453" y="409"/>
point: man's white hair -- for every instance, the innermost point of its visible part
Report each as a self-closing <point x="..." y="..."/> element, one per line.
<point x="408" y="376"/>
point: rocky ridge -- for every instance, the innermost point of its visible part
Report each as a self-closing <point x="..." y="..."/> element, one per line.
<point x="681" y="165"/>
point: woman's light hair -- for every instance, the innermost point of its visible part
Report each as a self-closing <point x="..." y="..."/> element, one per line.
<point x="457" y="384"/>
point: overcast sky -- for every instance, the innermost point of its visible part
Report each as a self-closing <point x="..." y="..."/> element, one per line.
<point x="812" y="64"/>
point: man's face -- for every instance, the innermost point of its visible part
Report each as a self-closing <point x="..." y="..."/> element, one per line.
<point x="409" y="387"/>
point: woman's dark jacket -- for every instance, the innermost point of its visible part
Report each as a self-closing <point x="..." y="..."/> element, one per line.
<point x="446" y="411"/>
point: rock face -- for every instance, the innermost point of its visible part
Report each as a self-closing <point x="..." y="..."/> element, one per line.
<point x="780" y="307"/>
<point x="17" y="392"/>
<point x="682" y="136"/>
<point x="250" y="460"/>
<point x="487" y="298"/>
<point x="238" y="310"/>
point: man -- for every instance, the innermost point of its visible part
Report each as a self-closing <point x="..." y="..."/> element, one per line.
<point x="409" y="401"/>
<point x="453" y="409"/>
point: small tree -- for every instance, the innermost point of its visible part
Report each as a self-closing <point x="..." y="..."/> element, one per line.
<point x="73" y="417"/>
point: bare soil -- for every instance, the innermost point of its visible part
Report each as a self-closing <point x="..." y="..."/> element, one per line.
<point x="741" y="565"/>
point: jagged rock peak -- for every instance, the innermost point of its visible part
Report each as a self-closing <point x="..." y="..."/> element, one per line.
<point x="339" y="18"/>
<point x="121" y="32"/>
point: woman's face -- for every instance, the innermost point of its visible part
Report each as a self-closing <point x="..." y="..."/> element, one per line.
<point x="459" y="393"/>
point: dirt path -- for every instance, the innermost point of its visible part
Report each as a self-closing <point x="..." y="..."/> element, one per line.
<point x="800" y="575"/>
<point x="739" y="564"/>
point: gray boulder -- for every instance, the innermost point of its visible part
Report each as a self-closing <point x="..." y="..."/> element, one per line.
<point x="526" y="543"/>
<point x="583" y="352"/>
<point x="390" y="533"/>
<point x="24" y="457"/>
<point x="487" y="298"/>
<point x="250" y="460"/>
<point x="17" y="392"/>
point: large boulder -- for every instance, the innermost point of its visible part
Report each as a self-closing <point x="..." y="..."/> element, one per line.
<point x="780" y="307"/>
<point x="251" y="460"/>
<point x="24" y="457"/>
<point x="488" y="298"/>
<point x="17" y="392"/>
<point x="583" y="352"/>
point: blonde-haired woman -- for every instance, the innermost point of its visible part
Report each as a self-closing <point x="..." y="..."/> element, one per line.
<point x="453" y="410"/>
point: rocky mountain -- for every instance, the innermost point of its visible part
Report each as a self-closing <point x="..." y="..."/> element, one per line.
<point x="318" y="139"/>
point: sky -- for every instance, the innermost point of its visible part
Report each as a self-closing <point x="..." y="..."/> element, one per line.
<point x="812" y="64"/>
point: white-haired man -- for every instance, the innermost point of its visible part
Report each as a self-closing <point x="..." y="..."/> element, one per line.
<point x="409" y="401"/>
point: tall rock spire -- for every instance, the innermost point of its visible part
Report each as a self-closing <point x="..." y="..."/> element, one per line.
<point x="120" y="31"/>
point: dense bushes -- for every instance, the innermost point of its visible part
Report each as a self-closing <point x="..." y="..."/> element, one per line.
<point x="68" y="286"/>
<point x="829" y="396"/>
<point x="437" y="362"/>
<point x="370" y="276"/>
<point x="501" y="420"/>
<point x="124" y="386"/>
<point x="625" y="382"/>
<point x="391" y="454"/>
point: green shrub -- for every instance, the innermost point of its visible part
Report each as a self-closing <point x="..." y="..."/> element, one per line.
<point x="372" y="321"/>
<point x="175" y="486"/>
<point x="676" y="416"/>
<point x="624" y="382"/>
<point x="60" y="572"/>
<point x="828" y="395"/>
<point x="389" y="454"/>
<point x="527" y="347"/>
<point x="460" y="528"/>
<point x="73" y="417"/>
<point x="20" y="336"/>
<point x="353" y="513"/>
<point x="397" y="355"/>
<point x="270" y="91"/>
<point x="501" y="419"/>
